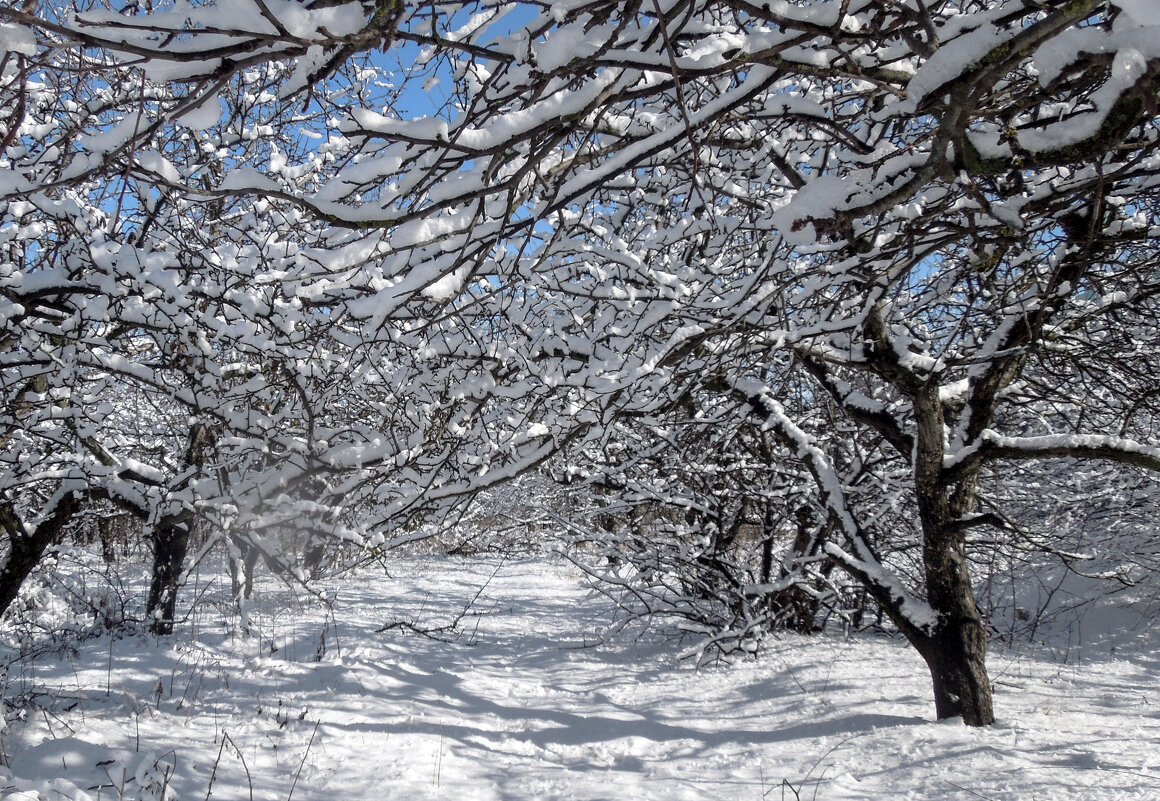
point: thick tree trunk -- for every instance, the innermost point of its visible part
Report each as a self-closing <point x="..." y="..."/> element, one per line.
<point x="956" y="650"/>
<point x="956" y="657"/>
<point x="795" y="608"/>
<point x="27" y="549"/>
<point x="170" y="545"/>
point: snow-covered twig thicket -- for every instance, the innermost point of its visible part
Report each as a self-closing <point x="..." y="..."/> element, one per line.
<point x="255" y="278"/>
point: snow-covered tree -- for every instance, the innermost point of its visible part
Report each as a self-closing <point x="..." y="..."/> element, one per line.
<point x="940" y="214"/>
<point x="145" y="364"/>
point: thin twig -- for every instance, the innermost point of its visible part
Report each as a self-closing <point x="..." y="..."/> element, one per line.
<point x="242" y="759"/>
<point x="305" y="754"/>
<point x="689" y="130"/>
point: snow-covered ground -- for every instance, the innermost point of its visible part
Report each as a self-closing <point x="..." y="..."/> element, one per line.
<point x="521" y="700"/>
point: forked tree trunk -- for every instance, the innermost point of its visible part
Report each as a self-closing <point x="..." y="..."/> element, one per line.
<point x="27" y="549"/>
<point x="795" y="609"/>
<point x="241" y="569"/>
<point x="956" y="650"/>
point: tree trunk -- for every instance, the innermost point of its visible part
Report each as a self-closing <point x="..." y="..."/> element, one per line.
<point x="242" y="570"/>
<point x="170" y="545"/>
<point x="27" y="549"/>
<point x="956" y="655"/>
<point x="796" y="610"/>
<point x="956" y="650"/>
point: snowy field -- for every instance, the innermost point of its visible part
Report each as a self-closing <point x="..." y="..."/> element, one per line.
<point x="522" y="700"/>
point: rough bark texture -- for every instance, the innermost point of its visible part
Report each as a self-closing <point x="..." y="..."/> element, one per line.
<point x="956" y="650"/>
<point x="27" y="549"/>
<point x="171" y="544"/>
<point x="956" y="657"/>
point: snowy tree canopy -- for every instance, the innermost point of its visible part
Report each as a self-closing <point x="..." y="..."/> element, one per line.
<point x="280" y="261"/>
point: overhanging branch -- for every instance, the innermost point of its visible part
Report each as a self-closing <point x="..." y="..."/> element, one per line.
<point x="992" y="446"/>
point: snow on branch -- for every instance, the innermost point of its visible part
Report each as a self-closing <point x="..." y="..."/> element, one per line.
<point x="910" y="614"/>
<point x="992" y="446"/>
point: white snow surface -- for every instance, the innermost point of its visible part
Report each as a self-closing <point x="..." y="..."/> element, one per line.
<point x="204" y="115"/>
<point x="522" y="700"/>
<point x="15" y="39"/>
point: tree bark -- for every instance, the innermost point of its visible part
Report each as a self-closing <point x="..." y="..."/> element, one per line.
<point x="242" y="570"/>
<point x="956" y="657"/>
<point x="796" y="609"/>
<point x="956" y="650"/>
<point x="27" y="549"/>
<point x="171" y="544"/>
